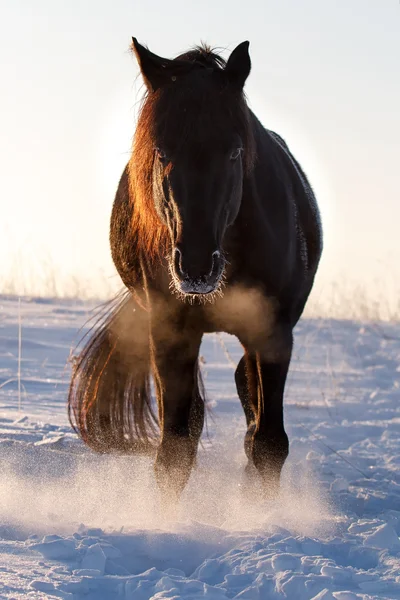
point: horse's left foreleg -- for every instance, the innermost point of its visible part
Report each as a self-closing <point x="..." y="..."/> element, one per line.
<point x="181" y="409"/>
<point x="269" y="446"/>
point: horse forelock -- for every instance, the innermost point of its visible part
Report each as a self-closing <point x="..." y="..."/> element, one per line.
<point x="204" y="55"/>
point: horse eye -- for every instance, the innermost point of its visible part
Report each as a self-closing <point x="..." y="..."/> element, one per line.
<point x="161" y="154"/>
<point x="236" y="153"/>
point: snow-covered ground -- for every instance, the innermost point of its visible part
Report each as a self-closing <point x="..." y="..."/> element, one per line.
<point x="81" y="526"/>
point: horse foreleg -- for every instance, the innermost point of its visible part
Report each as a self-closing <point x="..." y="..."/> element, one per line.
<point x="181" y="412"/>
<point x="245" y="378"/>
<point x="269" y="445"/>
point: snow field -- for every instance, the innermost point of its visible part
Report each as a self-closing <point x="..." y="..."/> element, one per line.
<point x="77" y="525"/>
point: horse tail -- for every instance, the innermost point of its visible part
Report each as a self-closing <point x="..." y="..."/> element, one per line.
<point x="109" y="401"/>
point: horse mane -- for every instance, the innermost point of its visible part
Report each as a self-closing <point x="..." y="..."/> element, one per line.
<point x="150" y="233"/>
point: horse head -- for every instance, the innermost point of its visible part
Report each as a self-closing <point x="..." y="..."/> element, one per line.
<point x="191" y="151"/>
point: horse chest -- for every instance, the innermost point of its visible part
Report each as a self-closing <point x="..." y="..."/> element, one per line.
<point x="242" y="311"/>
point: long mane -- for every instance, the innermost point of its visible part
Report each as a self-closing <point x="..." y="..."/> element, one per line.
<point x="150" y="234"/>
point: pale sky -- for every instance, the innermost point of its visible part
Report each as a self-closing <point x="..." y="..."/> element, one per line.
<point x="325" y="76"/>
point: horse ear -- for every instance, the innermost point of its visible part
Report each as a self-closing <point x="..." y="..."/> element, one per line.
<point x="239" y="65"/>
<point x="154" y="68"/>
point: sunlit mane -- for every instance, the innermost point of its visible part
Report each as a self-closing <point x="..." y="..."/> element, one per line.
<point x="151" y="235"/>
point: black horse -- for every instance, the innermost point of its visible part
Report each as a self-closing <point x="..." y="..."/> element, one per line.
<point x="214" y="228"/>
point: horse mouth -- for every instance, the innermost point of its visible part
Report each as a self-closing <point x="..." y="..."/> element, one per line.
<point x="197" y="286"/>
<point x="197" y="292"/>
<point x="202" y="288"/>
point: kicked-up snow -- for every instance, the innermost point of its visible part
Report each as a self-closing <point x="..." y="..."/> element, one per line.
<point x="81" y="526"/>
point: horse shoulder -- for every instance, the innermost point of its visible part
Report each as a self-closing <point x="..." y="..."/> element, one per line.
<point x="122" y="240"/>
<point x="309" y="226"/>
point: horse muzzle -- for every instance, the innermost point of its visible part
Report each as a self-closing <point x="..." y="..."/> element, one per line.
<point x="194" y="279"/>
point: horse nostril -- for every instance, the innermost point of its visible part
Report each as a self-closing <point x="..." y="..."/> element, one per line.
<point x="216" y="256"/>
<point x="178" y="262"/>
<point x="196" y="268"/>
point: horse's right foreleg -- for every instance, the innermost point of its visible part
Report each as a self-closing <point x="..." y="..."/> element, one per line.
<point x="181" y="409"/>
<point x="245" y="381"/>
